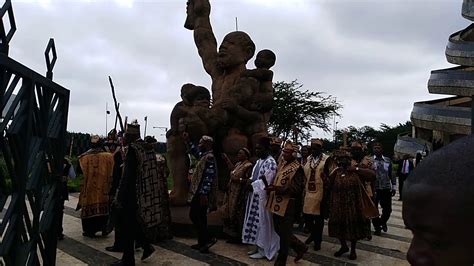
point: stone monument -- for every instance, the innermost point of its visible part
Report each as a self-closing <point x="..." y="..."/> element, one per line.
<point x="237" y="112"/>
<point x="445" y="120"/>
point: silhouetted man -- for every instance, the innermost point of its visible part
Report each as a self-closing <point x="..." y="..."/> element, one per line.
<point x="202" y="194"/>
<point x="137" y="197"/>
<point x="438" y="207"/>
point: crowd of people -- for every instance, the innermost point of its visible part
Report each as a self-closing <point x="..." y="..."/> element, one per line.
<point x="288" y="184"/>
<point x="270" y="189"/>
<point x="124" y="188"/>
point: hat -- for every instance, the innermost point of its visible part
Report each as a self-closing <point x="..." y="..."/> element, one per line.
<point x="289" y="146"/>
<point x="150" y="140"/>
<point x="275" y="141"/>
<point x="317" y="142"/>
<point x="133" y="128"/>
<point x="206" y="138"/>
<point x="95" y="139"/>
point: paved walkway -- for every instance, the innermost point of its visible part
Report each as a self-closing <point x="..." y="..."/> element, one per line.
<point x="388" y="249"/>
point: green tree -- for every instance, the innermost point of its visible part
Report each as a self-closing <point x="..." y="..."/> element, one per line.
<point x="386" y="135"/>
<point x="296" y="111"/>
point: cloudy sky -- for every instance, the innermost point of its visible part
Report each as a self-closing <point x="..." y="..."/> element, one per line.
<point x="374" y="56"/>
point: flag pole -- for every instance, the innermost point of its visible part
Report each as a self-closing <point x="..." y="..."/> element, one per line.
<point x="146" y="123"/>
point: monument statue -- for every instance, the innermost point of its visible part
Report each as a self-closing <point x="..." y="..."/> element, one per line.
<point x="241" y="98"/>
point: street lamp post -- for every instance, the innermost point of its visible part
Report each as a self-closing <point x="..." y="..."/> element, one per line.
<point x="146" y="123"/>
<point x="107" y="112"/>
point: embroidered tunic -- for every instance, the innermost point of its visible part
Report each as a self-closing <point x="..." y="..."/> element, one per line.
<point x="278" y="202"/>
<point x="258" y="223"/>
<point x="315" y="183"/>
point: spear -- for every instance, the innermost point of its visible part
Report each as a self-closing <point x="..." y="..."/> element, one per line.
<point x="116" y="104"/>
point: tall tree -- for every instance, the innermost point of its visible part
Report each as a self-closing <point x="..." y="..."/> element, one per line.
<point x="296" y="111"/>
<point x="386" y="135"/>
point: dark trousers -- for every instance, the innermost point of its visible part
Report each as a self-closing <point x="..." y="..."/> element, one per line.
<point x="384" y="197"/>
<point x="133" y="233"/>
<point x="60" y="217"/>
<point x="198" y="215"/>
<point x="316" y="225"/>
<point x="283" y="227"/>
<point x="118" y="236"/>
<point x="308" y="221"/>
<point x="64" y="195"/>
<point x="401" y="180"/>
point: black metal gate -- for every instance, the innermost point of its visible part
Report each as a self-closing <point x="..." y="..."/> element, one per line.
<point x="32" y="147"/>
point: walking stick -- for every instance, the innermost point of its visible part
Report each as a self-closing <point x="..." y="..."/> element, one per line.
<point x="116" y="104"/>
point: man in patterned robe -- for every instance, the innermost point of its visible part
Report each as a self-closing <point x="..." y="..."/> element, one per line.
<point x="97" y="167"/>
<point x="203" y="192"/>
<point x="138" y="197"/>
<point x="258" y="227"/>
<point x="287" y="185"/>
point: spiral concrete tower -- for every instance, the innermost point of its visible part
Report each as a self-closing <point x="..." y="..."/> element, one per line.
<point x="442" y="121"/>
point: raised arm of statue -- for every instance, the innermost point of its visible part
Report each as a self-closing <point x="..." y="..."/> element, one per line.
<point x="199" y="11"/>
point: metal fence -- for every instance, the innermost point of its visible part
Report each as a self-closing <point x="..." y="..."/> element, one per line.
<point x="32" y="144"/>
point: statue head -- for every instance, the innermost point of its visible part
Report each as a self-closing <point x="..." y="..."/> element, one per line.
<point x="195" y="95"/>
<point x="265" y="59"/>
<point x="236" y="49"/>
<point x="202" y="97"/>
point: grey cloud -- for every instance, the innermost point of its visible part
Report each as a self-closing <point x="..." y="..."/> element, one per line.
<point x="351" y="49"/>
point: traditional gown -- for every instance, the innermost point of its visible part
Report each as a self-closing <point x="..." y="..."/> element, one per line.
<point x="258" y="223"/>
<point x="94" y="199"/>
<point x="153" y="213"/>
<point x="234" y="208"/>
<point x="346" y="219"/>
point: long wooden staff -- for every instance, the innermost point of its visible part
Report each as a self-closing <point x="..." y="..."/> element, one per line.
<point x="116" y="104"/>
<point x="116" y="117"/>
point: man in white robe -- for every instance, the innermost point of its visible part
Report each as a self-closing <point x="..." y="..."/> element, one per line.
<point x="258" y="227"/>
